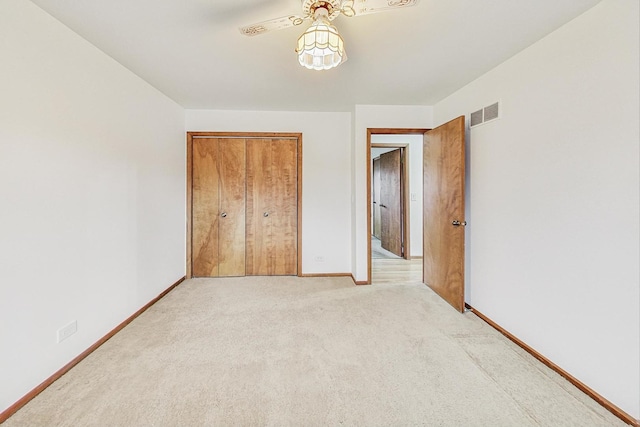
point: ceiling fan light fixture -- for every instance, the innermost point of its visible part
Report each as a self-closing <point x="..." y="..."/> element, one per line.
<point x="320" y="47"/>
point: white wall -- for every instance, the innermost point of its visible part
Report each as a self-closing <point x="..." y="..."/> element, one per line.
<point x="92" y="194"/>
<point x="375" y="116"/>
<point x="414" y="151"/>
<point x="554" y="195"/>
<point x="326" y="176"/>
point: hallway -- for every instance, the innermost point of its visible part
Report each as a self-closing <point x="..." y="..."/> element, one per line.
<point x="389" y="268"/>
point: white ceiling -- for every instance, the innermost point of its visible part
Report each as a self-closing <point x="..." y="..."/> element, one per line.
<point x="192" y="50"/>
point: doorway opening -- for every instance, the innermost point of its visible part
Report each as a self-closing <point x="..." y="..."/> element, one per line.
<point x="394" y="174"/>
<point x="390" y="205"/>
<point x="443" y="196"/>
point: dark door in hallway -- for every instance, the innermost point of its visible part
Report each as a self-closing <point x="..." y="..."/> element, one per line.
<point x="376" y="199"/>
<point x="391" y="202"/>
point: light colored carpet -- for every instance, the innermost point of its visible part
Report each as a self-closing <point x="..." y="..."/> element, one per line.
<point x="308" y="352"/>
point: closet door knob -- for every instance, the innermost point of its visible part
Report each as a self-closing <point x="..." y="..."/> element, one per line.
<point x="266" y="214"/>
<point x="223" y="214"/>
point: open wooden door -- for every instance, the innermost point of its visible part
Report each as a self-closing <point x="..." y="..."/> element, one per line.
<point x="376" y="199"/>
<point x="391" y="202"/>
<point x="444" y="176"/>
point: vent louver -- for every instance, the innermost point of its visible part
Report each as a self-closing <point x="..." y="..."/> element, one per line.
<point x="476" y="118"/>
<point x="491" y="112"/>
<point x="486" y="114"/>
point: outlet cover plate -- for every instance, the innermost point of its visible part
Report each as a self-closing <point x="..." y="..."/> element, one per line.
<point x="68" y="330"/>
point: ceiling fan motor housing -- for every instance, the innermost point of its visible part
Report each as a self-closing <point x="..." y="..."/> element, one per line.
<point x="333" y="7"/>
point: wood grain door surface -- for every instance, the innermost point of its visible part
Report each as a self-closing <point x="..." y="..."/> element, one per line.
<point x="244" y="207"/>
<point x="271" y="232"/>
<point x="376" y="199"/>
<point x="218" y="198"/>
<point x="205" y="208"/>
<point x="391" y="202"/>
<point x="444" y="176"/>
<point x="231" y="243"/>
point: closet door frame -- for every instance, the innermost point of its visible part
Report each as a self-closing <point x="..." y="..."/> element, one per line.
<point x="275" y="135"/>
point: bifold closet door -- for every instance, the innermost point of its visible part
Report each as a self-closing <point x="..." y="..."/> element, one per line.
<point x="272" y="208"/>
<point x="218" y="207"/>
<point x="204" y="208"/>
<point x="231" y="246"/>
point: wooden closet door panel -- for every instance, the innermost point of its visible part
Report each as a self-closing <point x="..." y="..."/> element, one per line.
<point x="205" y="202"/>
<point x="231" y="247"/>
<point x="283" y="207"/>
<point x="272" y="207"/>
<point x="259" y="247"/>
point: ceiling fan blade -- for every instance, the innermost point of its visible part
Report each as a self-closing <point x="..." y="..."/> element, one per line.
<point x="365" y="7"/>
<point x="271" y="25"/>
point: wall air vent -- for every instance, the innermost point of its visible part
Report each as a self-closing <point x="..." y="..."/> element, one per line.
<point x="491" y="112"/>
<point x="476" y="118"/>
<point x="485" y="114"/>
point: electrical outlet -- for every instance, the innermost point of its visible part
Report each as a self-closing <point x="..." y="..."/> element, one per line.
<point x="66" y="331"/>
<point x="319" y="259"/>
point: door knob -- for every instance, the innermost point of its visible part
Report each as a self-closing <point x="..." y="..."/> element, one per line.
<point x="266" y="214"/>
<point x="223" y="214"/>
<point x="457" y="223"/>
<point x="382" y="206"/>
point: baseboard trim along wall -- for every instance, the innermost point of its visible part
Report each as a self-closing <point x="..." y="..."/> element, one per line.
<point x="46" y="383"/>
<point x="327" y="275"/>
<point x="577" y="383"/>
<point x="335" y="275"/>
<point x="359" y="282"/>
